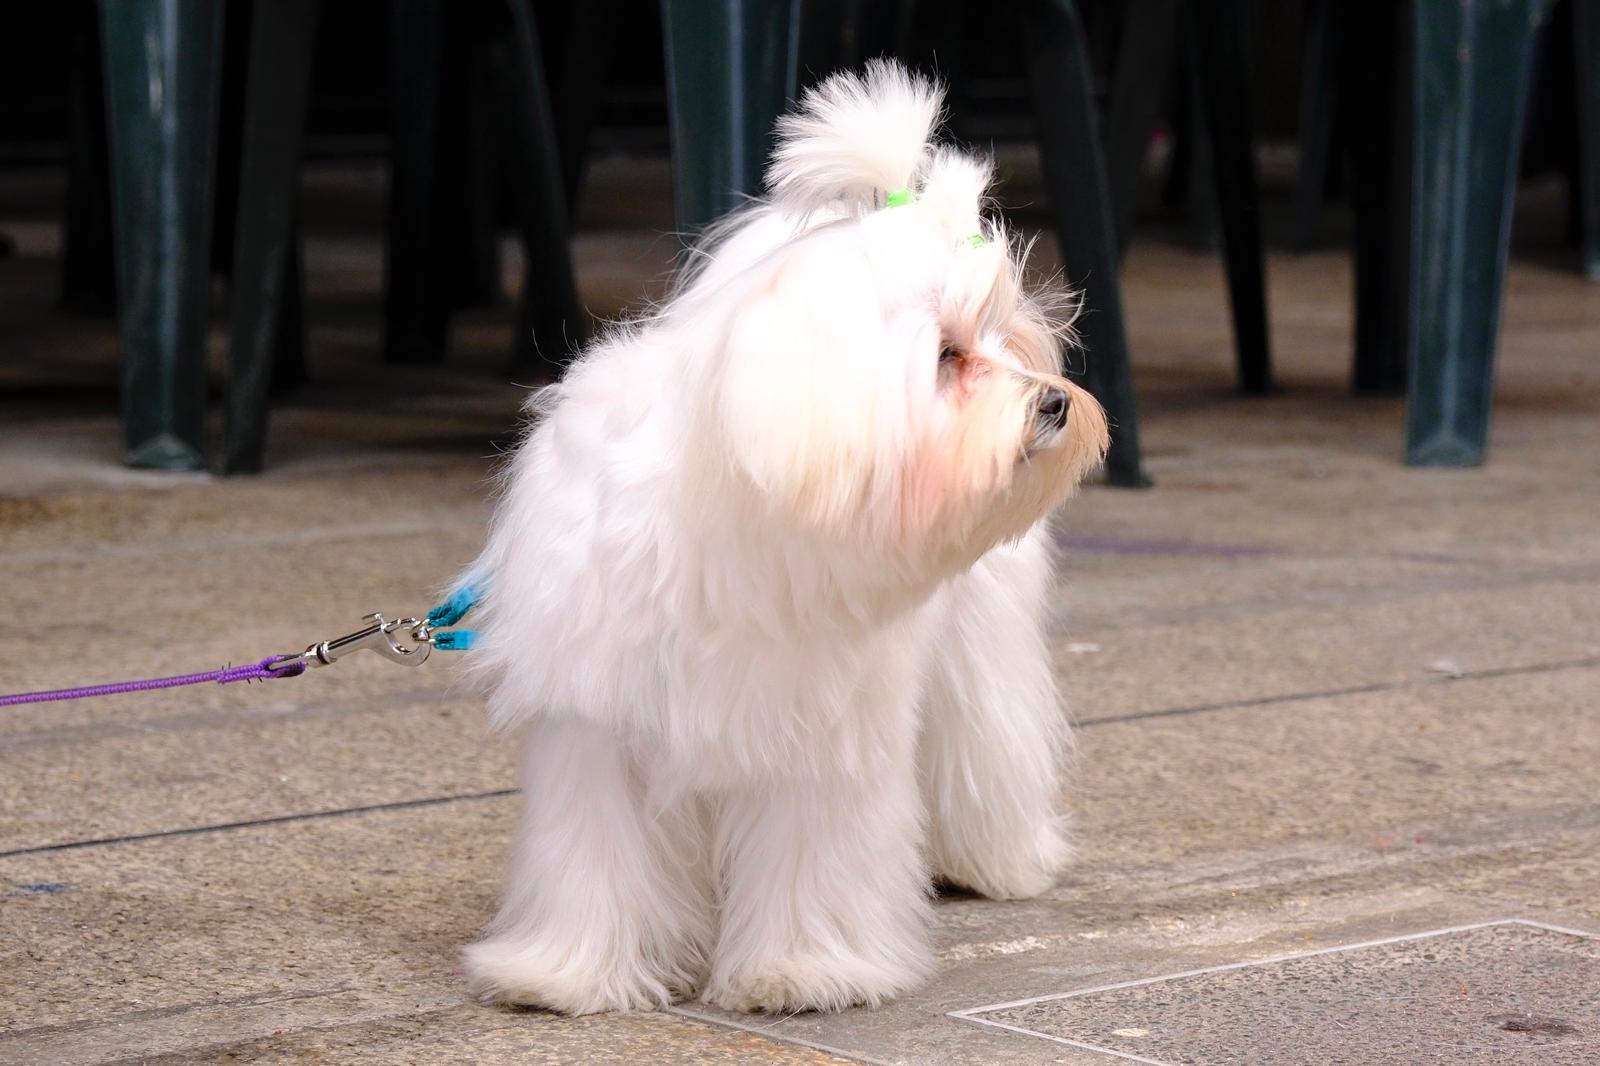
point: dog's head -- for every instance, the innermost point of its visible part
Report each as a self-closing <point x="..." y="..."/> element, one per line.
<point x="883" y="375"/>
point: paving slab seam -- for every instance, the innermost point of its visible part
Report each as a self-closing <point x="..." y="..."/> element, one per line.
<point x="191" y="1039"/>
<point x="284" y="539"/>
<point x="1353" y="690"/>
<point x="1390" y="592"/>
<point x="124" y="1017"/>
<point x="285" y="710"/>
<point x="1351" y="861"/>
<point x="1404" y="938"/>
<point x="1083" y="724"/>
<point x="278" y="711"/>
<point x="220" y="1047"/>
<point x="767" y="1034"/>
<point x="102" y="480"/>
<point x="428" y="1006"/>
<point x="257" y="823"/>
<point x="985" y="1023"/>
<point x="971" y="1015"/>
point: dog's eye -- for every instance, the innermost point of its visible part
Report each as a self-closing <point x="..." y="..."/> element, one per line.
<point x="948" y="355"/>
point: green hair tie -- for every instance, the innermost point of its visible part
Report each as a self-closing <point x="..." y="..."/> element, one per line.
<point x="902" y="197"/>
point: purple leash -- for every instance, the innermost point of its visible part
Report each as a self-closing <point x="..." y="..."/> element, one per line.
<point x="401" y="640"/>
<point x="225" y="676"/>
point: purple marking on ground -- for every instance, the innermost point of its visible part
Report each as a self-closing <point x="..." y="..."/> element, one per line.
<point x="1198" y="550"/>
<point x="1125" y="546"/>
<point x="1429" y="557"/>
<point x="43" y="888"/>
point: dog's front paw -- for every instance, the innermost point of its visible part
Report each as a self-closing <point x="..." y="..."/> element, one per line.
<point x="1000" y="869"/>
<point x="815" y="983"/>
<point x="531" y="975"/>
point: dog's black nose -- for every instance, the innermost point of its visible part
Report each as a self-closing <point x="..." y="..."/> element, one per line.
<point x="1053" y="407"/>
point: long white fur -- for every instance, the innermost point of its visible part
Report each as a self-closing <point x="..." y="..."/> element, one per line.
<point x="765" y="591"/>
<point x="854" y="139"/>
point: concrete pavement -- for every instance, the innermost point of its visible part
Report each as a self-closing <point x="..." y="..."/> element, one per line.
<point x="1324" y="700"/>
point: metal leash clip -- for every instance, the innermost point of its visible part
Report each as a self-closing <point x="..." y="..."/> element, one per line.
<point x="401" y="640"/>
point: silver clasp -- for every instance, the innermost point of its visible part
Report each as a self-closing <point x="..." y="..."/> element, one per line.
<point x="401" y="640"/>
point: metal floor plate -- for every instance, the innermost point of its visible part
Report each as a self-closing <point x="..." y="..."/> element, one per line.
<point x="1511" y="993"/>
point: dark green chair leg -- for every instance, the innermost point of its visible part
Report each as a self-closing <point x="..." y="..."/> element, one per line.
<point x="1378" y="101"/>
<point x="88" y="270"/>
<point x="464" y="201"/>
<point x="266" y="270"/>
<point x="882" y="27"/>
<point x="551" y="321"/>
<point x="1226" y="98"/>
<point x="731" y="67"/>
<point x="938" y="37"/>
<point x="579" y="83"/>
<point x="843" y="34"/>
<point x="234" y="83"/>
<point x="1319" y="94"/>
<point x="1149" y="33"/>
<point x="416" y="312"/>
<point x="1469" y="87"/>
<point x="826" y="39"/>
<point x="1586" y="44"/>
<point x="1191" y="176"/>
<point x="162" y="159"/>
<point x="289" y="362"/>
<point x="1080" y="201"/>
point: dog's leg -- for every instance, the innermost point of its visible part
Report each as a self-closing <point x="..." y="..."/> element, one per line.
<point x="825" y="901"/>
<point x="994" y="737"/>
<point x="606" y="905"/>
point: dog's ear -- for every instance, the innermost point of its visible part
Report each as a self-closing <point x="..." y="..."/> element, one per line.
<point x="805" y="368"/>
<point x="856" y="138"/>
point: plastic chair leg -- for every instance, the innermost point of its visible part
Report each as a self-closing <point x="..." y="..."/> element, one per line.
<point x="289" y="369"/>
<point x="464" y="189"/>
<point x="1191" y="177"/>
<point x="1469" y="88"/>
<point x="577" y="88"/>
<point x="938" y="37"/>
<point x="1080" y="201"/>
<point x="162" y="161"/>
<point x="730" y="69"/>
<point x="1586" y="43"/>
<point x="1149" y="32"/>
<point x="827" y="30"/>
<point x="1319" y="93"/>
<point x="842" y="34"/>
<point x="88" y="270"/>
<point x="231" y="90"/>
<point x="551" y="321"/>
<point x="1225" y="96"/>
<point x="416" y="311"/>
<point x="1378" y="101"/>
<point x="266" y="268"/>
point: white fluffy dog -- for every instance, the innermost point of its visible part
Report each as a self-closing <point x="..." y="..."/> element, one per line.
<point x="766" y="591"/>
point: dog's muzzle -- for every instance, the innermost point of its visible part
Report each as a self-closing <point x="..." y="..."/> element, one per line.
<point x="1049" y="416"/>
<point x="1054" y="405"/>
